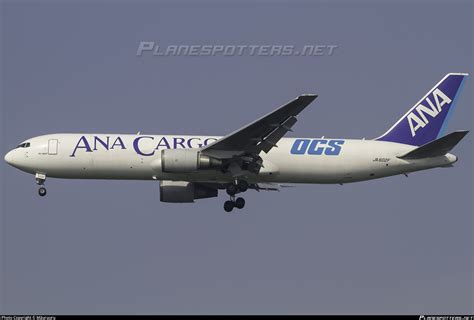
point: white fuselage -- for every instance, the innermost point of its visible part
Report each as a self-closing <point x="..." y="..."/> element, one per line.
<point x="138" y="157"/>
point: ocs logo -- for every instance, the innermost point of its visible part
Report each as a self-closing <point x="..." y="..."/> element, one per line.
<point x="317" y="147"/>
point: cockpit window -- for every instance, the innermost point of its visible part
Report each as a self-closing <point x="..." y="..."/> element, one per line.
<point x="24" y="145"/>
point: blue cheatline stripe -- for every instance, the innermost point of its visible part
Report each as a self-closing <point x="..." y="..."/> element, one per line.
<point x="451" y="109"/>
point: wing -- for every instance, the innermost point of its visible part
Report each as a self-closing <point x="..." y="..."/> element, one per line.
<point x="260" y="135"/>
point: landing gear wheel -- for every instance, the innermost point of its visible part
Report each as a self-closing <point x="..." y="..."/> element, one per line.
<point x="242" y="185"/>
<point x="239" y="203"/>
<point x="231" y="189"/>
<point x="228" y="206"/>
<point x="42" y="191"/>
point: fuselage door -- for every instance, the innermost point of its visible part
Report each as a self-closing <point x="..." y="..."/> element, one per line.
<point x="53" y="146"/>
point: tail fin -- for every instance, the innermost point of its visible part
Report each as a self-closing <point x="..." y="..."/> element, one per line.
<point x="426" y="120"/>
<point x="438" y="147"/>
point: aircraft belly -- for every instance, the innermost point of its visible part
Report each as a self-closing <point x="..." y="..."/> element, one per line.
<point x="98" y="166"/>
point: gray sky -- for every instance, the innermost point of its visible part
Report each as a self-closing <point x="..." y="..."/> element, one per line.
<point x="396" y="245"/>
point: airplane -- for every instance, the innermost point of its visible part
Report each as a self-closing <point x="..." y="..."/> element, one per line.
<point x="256" y="156"/>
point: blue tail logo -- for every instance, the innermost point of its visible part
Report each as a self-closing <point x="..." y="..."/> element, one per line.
<point x="426" y="120"/>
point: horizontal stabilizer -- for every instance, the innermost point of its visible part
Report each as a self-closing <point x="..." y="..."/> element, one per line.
<point x="438" y="147"/>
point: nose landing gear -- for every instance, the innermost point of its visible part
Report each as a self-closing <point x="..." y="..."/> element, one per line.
<point x="40" y="179"/>
<point x="232" y="189"/>
<point x="42" y="191"/>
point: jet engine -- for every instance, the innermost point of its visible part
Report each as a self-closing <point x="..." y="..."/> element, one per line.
<point x="184" y="191"/>
<point x="186" y="160"/>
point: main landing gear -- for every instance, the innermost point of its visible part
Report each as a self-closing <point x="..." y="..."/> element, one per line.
<point x="238" y="203"/>
<point x="239" y="186"/>
<point x="232" y="189"/>
<point x="40" y="179"/>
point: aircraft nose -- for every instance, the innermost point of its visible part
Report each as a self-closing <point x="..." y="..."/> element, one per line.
<point x="9" y="157"/>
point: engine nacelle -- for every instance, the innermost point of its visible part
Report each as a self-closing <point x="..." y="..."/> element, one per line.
<point x="183" y="191"/>
<point x="186" y="160"/>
